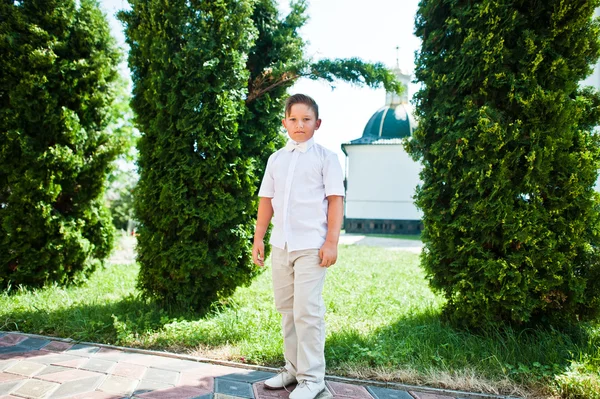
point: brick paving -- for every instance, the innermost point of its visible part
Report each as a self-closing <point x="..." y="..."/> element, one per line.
<point x="46" y="368"/>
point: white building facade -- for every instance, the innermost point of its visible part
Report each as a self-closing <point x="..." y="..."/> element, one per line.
<point x="380" y="176"/>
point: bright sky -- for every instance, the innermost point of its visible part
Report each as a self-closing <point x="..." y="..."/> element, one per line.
<point x="370" y="30"/>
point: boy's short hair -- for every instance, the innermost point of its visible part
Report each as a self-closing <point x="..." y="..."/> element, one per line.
<point x="301" y="99"/>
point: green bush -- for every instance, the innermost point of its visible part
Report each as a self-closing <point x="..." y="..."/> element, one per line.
<point x="193" y="199"/>
<point x="58" y="64"/>
<point x="510" y="159"/>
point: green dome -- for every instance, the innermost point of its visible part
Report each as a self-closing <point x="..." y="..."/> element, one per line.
<point x="390" y="122"/>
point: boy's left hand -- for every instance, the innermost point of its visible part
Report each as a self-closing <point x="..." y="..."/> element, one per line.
<point x="328" y="254"/>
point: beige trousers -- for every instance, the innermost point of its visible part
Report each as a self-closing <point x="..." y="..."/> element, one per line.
<point x="298" y="286"/>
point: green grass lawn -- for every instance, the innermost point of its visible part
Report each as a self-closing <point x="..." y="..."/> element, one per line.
<point x="383" y="323"/>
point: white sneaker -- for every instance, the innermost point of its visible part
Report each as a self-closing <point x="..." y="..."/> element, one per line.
<point x="307" y="390"/>
<point x="281" y="380"/>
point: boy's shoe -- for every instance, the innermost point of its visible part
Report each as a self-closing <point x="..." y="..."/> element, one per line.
<point x="307" y="390"/>
<point x="280" y="381"/>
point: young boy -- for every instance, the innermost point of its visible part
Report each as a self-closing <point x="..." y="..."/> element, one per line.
<point x="302" y="190"/>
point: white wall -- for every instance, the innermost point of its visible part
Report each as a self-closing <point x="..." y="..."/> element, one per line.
<point x="594" y="80"/>
<point x="381" y="184"/>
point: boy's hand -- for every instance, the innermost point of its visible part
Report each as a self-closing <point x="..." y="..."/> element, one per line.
<point x="328" y="254"/>
<point x="258" y="253"/>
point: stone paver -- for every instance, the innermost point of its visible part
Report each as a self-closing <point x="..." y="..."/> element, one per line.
<point x="51" y="370"/>
<point x="260" y="392"/>
<point x="339" y="389"/>
<point x="110" y="354"/>
<point x="78" y="387"/>
<point x="9" y="387"/>
<point x="197" y="381"/>
<point x="35" y="389"/>
<point x="423" y="395"/>
<point x="120" y="385"/>
<point x="57" y="346"/>
<point x="95" y="395"/>
<point x="147" y="360"/>
<point x="248" y="376"/>
<point x="11" y="339"/>
<point x="68" y="375"/>
<point x="176" y="393"/>
<point x="182" y="365"/>
<point x="73" y="363"/>
<point x="82" y="350"/>
<point x="233" y="388"/>
<point x="5" y="350"/>
<point x="148" y="386"/>
<point x="128" y="370"/>
<point x="385" y="393"/>
<point x="7" y="363"/>
<point x="25" y="368"/>
<point x="159" y="375"/>
<point x="99" y="365"/>
<point x="214" y="370"/>
<point x="34" y="343"/>
<point x="54" y="358"/>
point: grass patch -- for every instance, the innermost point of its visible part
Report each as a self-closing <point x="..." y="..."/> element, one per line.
<point x="382" y="322"/>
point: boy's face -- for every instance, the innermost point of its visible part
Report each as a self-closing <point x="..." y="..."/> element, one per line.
<point x="301" y="123"/>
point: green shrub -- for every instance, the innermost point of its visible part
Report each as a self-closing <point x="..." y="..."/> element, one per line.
<point x="58" y="64"/>
<point x="193" y="199"/>
<point x="510" y="159"/>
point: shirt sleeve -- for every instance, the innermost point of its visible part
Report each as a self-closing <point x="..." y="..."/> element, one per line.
<point x="333" y="177"/>
<point x="267" y="187"/>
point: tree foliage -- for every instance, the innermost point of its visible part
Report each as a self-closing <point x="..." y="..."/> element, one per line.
<point x="210" y="79"/>
<point x="510" y="159"/>
<point x="123" y="177"/>
<point x="58" y="64"/>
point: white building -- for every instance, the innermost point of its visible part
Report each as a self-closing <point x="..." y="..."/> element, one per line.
<point x="380" y="176"/>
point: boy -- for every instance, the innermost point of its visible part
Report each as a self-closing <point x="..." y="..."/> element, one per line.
<point x="303" y="191"/>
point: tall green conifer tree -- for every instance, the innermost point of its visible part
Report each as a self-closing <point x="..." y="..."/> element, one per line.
<point x="58" y="65"/>
<point x="210" y="78"/>
<point x="510" y="159"/>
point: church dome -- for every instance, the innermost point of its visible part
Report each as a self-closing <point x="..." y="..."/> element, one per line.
<point x="394" y="121"/>
<point x="391" y="123"/>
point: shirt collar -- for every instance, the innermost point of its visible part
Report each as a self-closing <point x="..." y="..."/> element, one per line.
<point x="302" y="147"/>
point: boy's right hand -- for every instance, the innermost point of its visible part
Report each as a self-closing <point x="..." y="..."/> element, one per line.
<point x="258" y="253"/>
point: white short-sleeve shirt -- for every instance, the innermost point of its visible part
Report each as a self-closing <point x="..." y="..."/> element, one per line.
<point x="299" y="182"/>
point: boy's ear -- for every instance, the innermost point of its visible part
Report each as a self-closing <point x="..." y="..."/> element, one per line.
<point x="318" y="124"/>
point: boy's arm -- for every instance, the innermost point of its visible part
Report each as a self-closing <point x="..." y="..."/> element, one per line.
<point x="335" y="215"/>
<point x="265" y="213"/>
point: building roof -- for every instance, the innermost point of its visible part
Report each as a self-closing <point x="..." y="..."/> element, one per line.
<point x="388" y="125"/>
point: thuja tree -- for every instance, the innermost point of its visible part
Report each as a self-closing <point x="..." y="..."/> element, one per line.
<point x="209" y="82"/>
<point x="58" y="64"/>
<point x="510" y="157"/>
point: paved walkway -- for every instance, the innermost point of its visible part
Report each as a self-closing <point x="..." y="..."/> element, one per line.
<point x="35" y="367"/>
